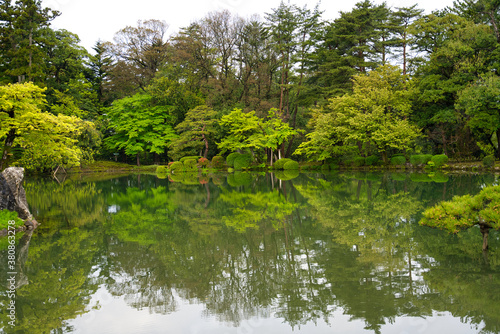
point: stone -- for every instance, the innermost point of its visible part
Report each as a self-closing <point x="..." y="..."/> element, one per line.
<point x="12" y="194"/>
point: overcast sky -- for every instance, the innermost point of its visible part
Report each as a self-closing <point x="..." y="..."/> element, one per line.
<point x="92" y="20"/>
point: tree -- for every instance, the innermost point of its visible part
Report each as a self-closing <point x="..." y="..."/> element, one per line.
<point x="195" y="131"/>
<point x="463" y="212"/>
<point x="376" y="113"/>
<point x="23" y="23"/>
<point x="480" y="103"/>
<point x="142" y="50"/>
<point x="46" y="140"/>
<point x="243" y="132"/>
<point x="138" y="125"/>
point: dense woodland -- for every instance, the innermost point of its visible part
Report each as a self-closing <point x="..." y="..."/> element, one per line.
<point x="376" y="81"/>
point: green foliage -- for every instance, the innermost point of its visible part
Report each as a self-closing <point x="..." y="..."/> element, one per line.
<point x="489" y="161"/>
<point x="203" y="162"/>
<point x="358" y="161"/>
<point x="230" y="158"/>
<point x="417" y="160"/>
<point x="463" y="212"/>
<point x="439" y="160"/>
<point x="6" y="215"/>
<point x="177" y="166"/>
<point x="190" y="165"/>
<point x="193" y="157"/>
<point x="238" y="179"/>
<point x="46" y="140"/>
<point x="285" y="175"/>
<point x="138" y="126"/>
<point x="280" y="164"/>
<point x="242" y="161"/>
<point x="218" y="162"/>
<point x="291" y="165"/>
<point x="398" y="160"/>
<point x="376" y="113"/>
<point x="372" y="160"/>
<point x="161" y="169"/>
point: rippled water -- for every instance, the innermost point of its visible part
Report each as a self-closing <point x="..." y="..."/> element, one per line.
<point x="251" y="253"/>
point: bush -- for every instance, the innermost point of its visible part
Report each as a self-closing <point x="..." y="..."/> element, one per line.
<point x="439" y="160"/>
<point x="203" y="162"/>
<point x="280" y="164"/>
<point x="417" y="160"/>
<point x="489" y="161"/>
<point x="176" y="166"/>
<point x="195" y="157"/>
<point x="230" y="158"/>
<point x="217" y="162"/>
<point x="242" y="161"/>
<point x="372" y="160"/>
<point x="291" y="165"/>
<point x="161" y="170"/>
<point x="398" y="160"/>
<point x="190" y="165"/>
<point x="358" y="161"/>
<point x="426" y="158"/>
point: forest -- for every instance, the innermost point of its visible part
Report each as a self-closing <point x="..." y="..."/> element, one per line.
<point x="375" y="82"/>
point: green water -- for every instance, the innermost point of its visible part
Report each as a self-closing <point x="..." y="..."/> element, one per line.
<point x="250" y="253"/>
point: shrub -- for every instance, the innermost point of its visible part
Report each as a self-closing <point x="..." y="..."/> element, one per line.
<point x="161" y="170"/>
<point x="190" y="165"/>
<point x="230" y="158"/>
<point x="398" y="160"/>
<point x="217" y="162"/>
<point x="195" y="157"/>
<point x="291" y="165"/>
<point x="242" y="161"/>
<point x="280" y="164"/>
<point x="489" y="161"/>
<point x="176" y="166"/>
<point x="417" y="160"/>
<point x="372" y="160"/>
<point x="426" y="158"/>
<point x="439" y="160"/>
<point x="203" y="162"/>
<point x="358" y="161"/>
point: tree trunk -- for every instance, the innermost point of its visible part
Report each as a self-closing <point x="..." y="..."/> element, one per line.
<point x="485" y="229"/>
<point x="498" y="143"/>
<point x="138" y="160"/>
<point x="9" y="141"/>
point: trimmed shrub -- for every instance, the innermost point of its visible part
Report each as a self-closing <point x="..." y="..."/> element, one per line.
<point x="217" y="162"/>
<point x="230" y="158"/>
<point x="195" y="157"/>
<point x="161" y="170"/>
<point x="489" y="161"/>
<point x="398" y="160"/>
<point x="190" y="165"/>
<point x="176" y="166"/>
<point x="358" y="161"/>
<point x="372" y="160"/>
<point x="291" y="165"/>
<point x="439" y="160"/>
<point x="426" y="158"/>
<point x="280" y="164"/>
<point x="417" y="160"/>
<point x="242" y="161"/>
<point x="203" y="162"/>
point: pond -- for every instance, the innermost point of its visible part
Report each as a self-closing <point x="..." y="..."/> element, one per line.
<point x="251" y="253"/>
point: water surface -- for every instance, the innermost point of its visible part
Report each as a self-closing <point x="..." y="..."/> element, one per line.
<point x="252" y="253"/>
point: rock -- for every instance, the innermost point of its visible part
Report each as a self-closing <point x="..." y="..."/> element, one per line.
<point x="12" y="194"/>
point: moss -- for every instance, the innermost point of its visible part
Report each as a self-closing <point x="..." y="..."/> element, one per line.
<point x="6" y="216"/>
